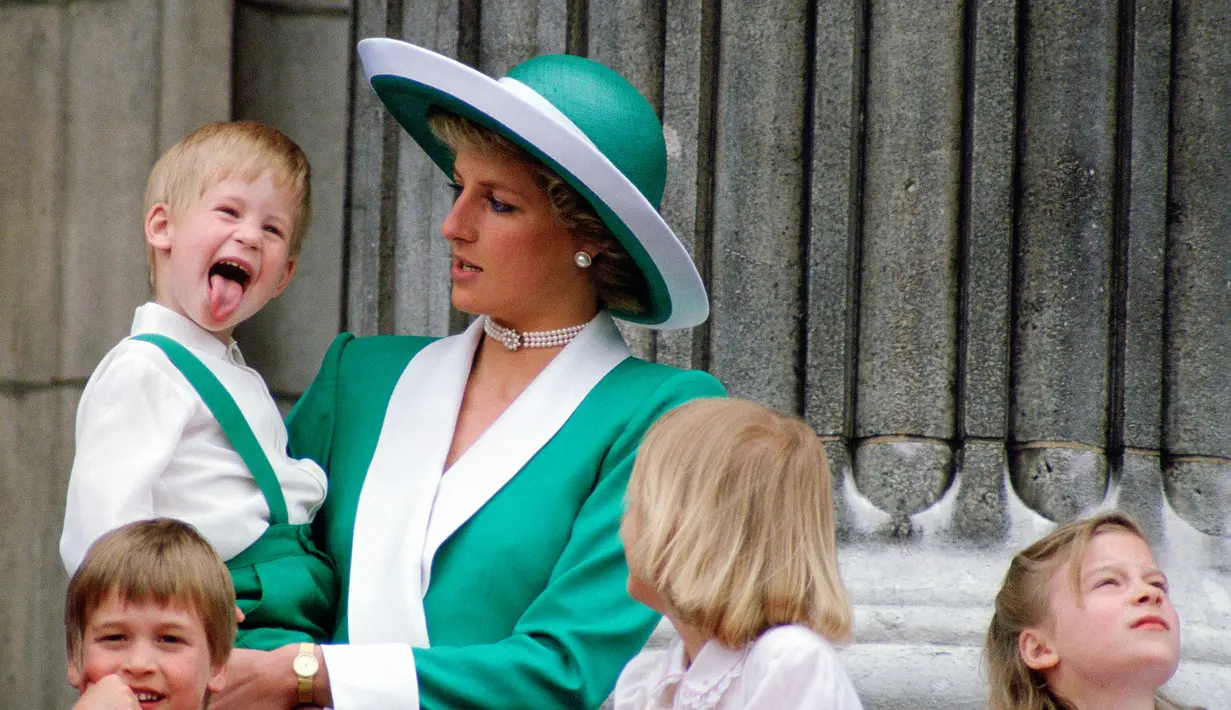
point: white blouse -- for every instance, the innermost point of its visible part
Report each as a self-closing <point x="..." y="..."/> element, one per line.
<point x="787" y="667"/>
<point x="148" y="446"/>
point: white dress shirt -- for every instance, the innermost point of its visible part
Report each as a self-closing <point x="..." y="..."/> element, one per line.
<point x="148" y="446"/>
<point x="786" y="668"/>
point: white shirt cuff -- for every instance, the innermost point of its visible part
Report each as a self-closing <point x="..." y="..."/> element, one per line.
<point x="372" y="676"/>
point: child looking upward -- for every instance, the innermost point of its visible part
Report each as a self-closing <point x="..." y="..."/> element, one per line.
<point x="173" y="423"/>
<point x="149" y="619"/>
<point x="1083" y="622"/>
<point x="728" y="532"/>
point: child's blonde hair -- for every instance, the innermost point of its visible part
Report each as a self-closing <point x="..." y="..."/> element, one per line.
<point x="1022" y="603"/>
<point x="219" y="150"/>
<point x="732" y="522"/>
<point x="163" y="560"/>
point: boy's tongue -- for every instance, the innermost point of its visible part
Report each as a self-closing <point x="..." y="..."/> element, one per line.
<point x="224" y="296"/>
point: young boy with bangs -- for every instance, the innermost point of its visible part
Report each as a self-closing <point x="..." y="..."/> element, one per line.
<point x="149" y="619"/>
<point x="173" y="423"/>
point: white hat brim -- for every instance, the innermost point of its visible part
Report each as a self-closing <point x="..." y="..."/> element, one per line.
<point x="515" y="111"/>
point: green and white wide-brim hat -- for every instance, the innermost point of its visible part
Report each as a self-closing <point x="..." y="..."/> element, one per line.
<point x="585" y="122"/>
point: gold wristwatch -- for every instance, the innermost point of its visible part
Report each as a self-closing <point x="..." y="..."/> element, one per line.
<point x="305" y="666"/>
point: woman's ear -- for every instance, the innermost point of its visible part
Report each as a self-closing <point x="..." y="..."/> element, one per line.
<point x="157" y="227"/>
<point x="1035" y="647"/>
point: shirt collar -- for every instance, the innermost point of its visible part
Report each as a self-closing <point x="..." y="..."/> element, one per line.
<point x="155" y="318"/>
<point x="703" y="683"/>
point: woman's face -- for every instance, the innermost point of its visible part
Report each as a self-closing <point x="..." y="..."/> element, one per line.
<point x="511" y="259"/>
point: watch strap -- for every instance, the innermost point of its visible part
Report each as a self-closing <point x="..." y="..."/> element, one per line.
<point x="307" y="684"/>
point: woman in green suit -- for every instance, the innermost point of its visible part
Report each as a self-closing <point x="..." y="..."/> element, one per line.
<point x="476" y="481"/>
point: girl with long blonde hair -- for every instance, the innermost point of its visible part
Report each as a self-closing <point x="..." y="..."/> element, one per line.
<point x="1083" y="620"/>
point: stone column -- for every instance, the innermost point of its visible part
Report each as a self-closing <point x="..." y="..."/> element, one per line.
<point x="1197" y="414"/>
<point x="92" y="92"/>
<point x="904" y="401"/>
<point x="292" y="72"/>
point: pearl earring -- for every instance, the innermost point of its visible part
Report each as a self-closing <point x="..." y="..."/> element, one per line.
<point x="582" y="260"/>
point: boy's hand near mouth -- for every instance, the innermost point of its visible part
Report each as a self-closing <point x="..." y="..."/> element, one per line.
<point x="109" y="693"/>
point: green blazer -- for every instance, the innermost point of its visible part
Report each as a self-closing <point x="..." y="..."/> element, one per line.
<point x="482" y="587"/>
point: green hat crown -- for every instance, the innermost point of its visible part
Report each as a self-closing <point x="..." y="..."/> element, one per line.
<point x="608" y="110"/>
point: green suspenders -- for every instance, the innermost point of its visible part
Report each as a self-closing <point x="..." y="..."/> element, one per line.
<point x="285" y="586"/>
<point x="232" y="421"/>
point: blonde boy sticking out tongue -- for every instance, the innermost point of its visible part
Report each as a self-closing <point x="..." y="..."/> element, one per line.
<point x="219" y="259"/>
<point x="173" y="423"/>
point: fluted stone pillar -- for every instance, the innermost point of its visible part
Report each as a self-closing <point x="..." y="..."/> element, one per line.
<point x="984" y="287"/>
<point x="291" y="61"/>
<point x="1140" y="272"/>
<point x="904" y="403"/>
<point x="1197" y="418"/>
<point x="759" y="170"/>
<point x="1062" y="280"/>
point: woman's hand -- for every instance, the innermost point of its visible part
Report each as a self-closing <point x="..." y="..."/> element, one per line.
<point x="109" y="693"/>
<point x="259" y="680"/>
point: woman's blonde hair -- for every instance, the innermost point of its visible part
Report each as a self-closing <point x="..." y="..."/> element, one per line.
<point x="162" y="560"/>
<point x="1022" y="603"/>
<point x="732" y="522"/>
<point x="620" y="283"/>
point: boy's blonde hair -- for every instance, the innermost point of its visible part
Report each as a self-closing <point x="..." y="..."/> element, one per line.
<point x="1022" y="603"/>
<point x="732" y="522"/>
<point x="621" y="285"/>
<point x="163" y="561"/>
<point x="219" y="150"/>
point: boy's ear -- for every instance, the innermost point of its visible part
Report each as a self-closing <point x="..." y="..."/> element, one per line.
<point x="157" y="227"/>
<point x="291" y="263"/>
<point x="1036" y="650"/>
<point x="75" y="675"/>
<point x="218" y="680"/>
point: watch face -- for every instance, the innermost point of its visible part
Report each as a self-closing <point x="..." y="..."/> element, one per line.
<point x="304" y="665"/>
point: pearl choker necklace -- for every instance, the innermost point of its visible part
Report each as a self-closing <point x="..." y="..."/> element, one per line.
<point x="514" y="340"/>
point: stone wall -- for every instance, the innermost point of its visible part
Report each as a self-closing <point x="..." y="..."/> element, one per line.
<point x="984" y="247"/>
<point x="92" y="91"/>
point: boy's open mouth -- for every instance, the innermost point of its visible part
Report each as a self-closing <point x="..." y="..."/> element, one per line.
<point x="147" y="697"/>
<point x="228" y="279"/>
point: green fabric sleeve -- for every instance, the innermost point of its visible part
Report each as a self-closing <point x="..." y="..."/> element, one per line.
<point x="568" y="647"/>
<point x="310" y="423"/>
<point x="336" y="423"/>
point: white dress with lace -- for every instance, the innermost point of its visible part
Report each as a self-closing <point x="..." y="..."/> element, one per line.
<point x="787" y="667"/>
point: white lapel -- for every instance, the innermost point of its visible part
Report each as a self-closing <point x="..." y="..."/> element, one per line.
<point x="386" y="595"/>
<point x="524" y="428"/>
<point x="408" y="508"/>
